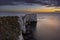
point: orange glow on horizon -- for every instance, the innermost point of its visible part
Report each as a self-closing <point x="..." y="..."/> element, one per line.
<point x="51" y="9"/>
<point x="45" y="9"/>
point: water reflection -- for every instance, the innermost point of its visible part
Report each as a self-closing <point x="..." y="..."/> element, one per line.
<point x="47" y="27"/>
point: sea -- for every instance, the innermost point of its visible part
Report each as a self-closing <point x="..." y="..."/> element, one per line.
<point x="48" y="25"/>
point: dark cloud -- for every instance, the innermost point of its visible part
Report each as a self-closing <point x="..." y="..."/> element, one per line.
<point x="42" y="2"/>
<point x="58" y="2"/>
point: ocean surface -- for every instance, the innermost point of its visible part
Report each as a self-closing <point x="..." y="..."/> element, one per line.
<point x="48" y="25"/>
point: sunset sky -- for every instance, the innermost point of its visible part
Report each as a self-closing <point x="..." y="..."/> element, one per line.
<point x="29" y="6"/>
<point x="47" y="24"/>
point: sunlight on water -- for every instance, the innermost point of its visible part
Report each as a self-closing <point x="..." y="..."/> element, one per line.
<point x="47" y="27"/>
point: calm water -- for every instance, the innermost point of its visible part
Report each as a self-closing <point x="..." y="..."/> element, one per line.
<point x="48" y="27"/>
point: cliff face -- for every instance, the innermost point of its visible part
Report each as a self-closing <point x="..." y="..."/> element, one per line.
<point x="9" y="28"/>
<point x="30" y="21"/>
<point x="12" y="27"/>
<point x="30" y="17"/>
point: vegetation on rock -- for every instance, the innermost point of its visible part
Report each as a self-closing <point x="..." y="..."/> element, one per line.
<point x="9" y="28"/>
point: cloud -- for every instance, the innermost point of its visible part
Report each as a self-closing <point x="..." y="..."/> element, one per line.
<point x="42" y="2"/>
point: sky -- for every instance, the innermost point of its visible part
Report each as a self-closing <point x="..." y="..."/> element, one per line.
<point x="42" y="2"/>
<point x="30" y="5"/>
<point x="50" y="22"/>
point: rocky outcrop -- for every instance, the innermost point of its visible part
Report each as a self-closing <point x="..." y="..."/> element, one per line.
<point x="30" y="21"/>
<point x="9" y="28"/>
